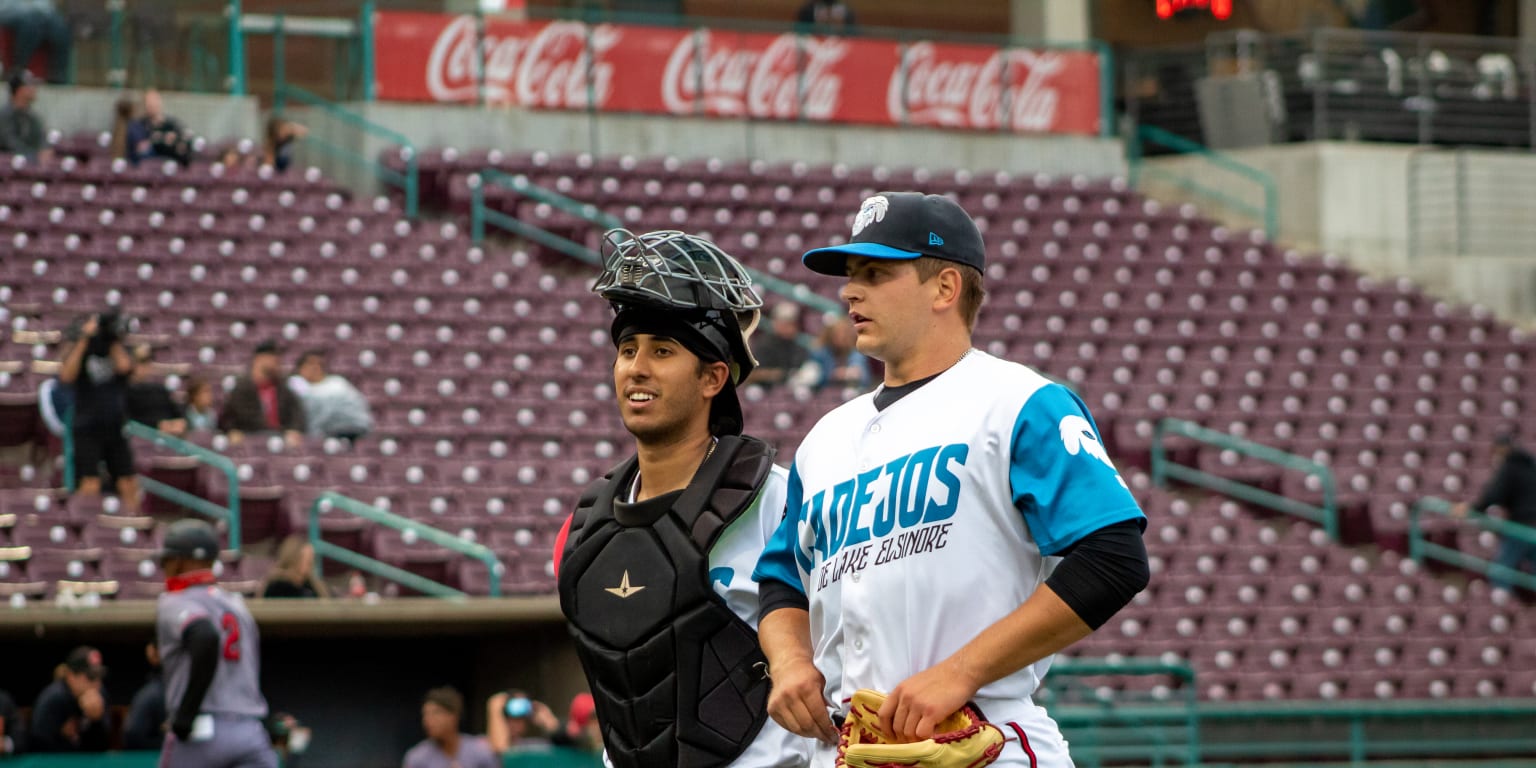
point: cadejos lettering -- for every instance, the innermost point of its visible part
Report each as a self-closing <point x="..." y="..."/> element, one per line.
<point x="918" y="489"/>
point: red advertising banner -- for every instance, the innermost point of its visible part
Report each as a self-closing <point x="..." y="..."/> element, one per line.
<point x="985" y="88"/>
<point x="406" y="56"/>
<point x="641" y="60"/>
<point x="859" y="72"/>
<point x="660" y="70"/>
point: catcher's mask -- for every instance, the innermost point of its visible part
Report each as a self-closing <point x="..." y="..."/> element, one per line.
<point x="684" y="287"/>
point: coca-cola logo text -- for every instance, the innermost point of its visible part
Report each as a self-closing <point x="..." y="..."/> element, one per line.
<point x="544" y="68"/>
<point x="704" y="74"/>
<point x="1009" y="85"/>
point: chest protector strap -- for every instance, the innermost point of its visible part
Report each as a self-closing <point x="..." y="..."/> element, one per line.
<point x="674" y="672"/>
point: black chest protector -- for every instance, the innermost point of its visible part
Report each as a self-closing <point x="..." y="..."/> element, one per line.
<point x="676" y="676"/>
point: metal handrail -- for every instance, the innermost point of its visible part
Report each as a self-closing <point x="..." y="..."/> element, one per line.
<point x="1420" y="548"/>
<point x="228" y="514"/>
<point x="1110" y="713"/>
<point x="331" y="500"/>
<point x="1269" y="212"/>
<point x="482" y="215"/>
<point x="408" y="181"/>
<point x="1163" y="469"/>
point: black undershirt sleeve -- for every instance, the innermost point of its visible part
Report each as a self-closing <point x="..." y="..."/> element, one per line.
<point x="774" y="594"/>
<point x="201" y="640"/>
<point x="1102" y="572"/>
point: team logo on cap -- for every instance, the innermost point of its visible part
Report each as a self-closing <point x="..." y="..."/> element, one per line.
<point x="871" y="211"/>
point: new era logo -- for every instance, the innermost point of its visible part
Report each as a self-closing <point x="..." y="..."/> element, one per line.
<point x="934" y="239"/>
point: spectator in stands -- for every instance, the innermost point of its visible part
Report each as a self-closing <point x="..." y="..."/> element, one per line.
<point x="34" y="23"/>
<point x="780" y="353"/>
<point x="97" y="368"/>
<point x="70" y="715"/>
<point x="1513" y="488"/>
<point x="514" y="721"/>
<point x="200" y="415"/>
<point x="146" y="715"/>
<point x="445" y="746"/>
<point x="260" y="402"/>
<point x="293" y="575"/>
<point x="156" y="134"/>
<point x="54" y="401"/>
<point x="11" y="741"/>
<point x="122" y="122"/>
<point x="827" y="16"/>
<point x="332" y="406"/>
<point x="278" y="148"/>
<point x="21" y="128"/>
<point x="581" y="729"/>
<point x="838" y="363"/>
<point x="149" y="402"/>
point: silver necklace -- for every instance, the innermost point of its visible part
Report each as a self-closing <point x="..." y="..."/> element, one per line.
<point x="634" y="486"/>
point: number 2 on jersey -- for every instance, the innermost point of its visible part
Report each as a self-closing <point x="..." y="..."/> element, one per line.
<point x="231" y="626"/>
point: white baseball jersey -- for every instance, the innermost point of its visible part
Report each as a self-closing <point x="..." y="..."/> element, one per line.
<point x="912" y="529"/>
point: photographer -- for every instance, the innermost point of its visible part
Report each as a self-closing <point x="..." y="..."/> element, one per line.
<point x="515" y="721"/>
<point x="98" y="367"/>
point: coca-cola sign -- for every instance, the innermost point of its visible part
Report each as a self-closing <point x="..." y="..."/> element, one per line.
<point x="765" y="76"/>
<point x="710" y="72"/>
<point x="961" y="86"/>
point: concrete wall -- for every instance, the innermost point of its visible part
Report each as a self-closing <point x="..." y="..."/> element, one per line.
<point x="645" y="135"/>
<point x="1355" y="199"/>
<point x="216" y="117"/>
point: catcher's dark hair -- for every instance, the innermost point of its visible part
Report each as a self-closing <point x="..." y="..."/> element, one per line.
<point x="446" y="697"/>
<point x="972" y="290"/>
<point x="308" y="353"/>
<point x="268" y="347"/>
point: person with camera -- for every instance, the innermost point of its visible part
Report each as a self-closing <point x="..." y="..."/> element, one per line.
<point x="514" y="720"/>
<point x="97" y="368"/>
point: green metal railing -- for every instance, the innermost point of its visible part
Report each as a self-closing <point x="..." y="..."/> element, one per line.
<point x="331" y="501"/>
<point x="1353" y="732"/>
<point x="1421" y="548"/>
<point x="1267" y="212"/>
<point x="229" y="514"/>
<point x="407" y="180"/>
<point x="1109" y="731"/>
<point x="482" y="215"/>
<point x="1164" y="469"/>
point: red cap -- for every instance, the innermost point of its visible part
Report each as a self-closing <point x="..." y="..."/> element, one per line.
<point x="583" y="708"/>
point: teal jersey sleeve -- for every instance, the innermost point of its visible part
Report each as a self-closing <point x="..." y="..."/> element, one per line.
<point x="1062" y="479"/>
<point x="783" y="558"/>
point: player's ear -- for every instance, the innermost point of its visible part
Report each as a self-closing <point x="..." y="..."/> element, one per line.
<point x="947" y="286"/>
<point x="713" y="377"/>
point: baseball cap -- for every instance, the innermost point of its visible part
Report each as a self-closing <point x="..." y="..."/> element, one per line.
<point x="583" y="709"/>
<point x="905" y="225"/>
<point x="20" y="79"/>
<point x="189" y="538"/>
<point x="86" y="660"/>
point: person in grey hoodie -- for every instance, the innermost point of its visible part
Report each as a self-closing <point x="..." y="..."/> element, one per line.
<point x="332" y="406"/>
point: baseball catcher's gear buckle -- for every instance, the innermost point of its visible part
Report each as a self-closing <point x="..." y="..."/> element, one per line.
<point x="962" y="740"/>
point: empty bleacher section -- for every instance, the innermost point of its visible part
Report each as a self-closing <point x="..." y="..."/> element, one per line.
<point x="489" y="376"/>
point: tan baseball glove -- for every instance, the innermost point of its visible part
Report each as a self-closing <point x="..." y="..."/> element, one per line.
<point x="962" y="740"/>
